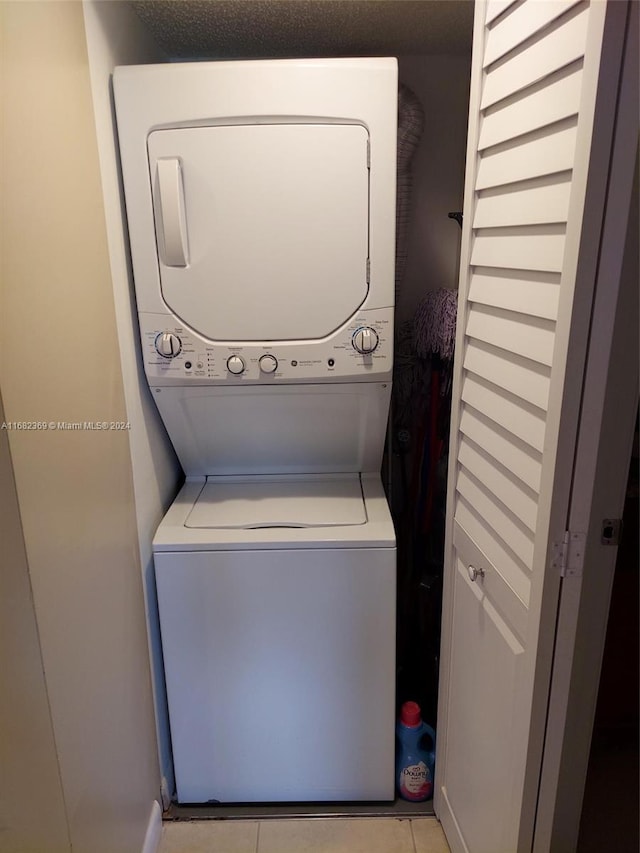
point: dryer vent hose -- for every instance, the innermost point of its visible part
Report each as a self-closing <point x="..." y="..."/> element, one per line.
<point x="410" y="125"/>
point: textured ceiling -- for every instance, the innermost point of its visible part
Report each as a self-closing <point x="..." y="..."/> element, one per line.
<point x="259" y="28"/>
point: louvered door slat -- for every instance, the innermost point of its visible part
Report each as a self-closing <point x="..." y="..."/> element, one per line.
<point x="551" y="102"/>
<point x="543" y="152"/>
<point x="529" y="292"/>
<point x="496" y="8"/>
<point x="525" y="421"/>
<point x="521" y="376"/>
<point x="561" y="47"/>
<point x="536" y="248"/>
<point x="498" y="517"/>
<point x="510" y="569"/>
<point x="525" y="21"/>
<point x="520" y="500"/>
<point x="536" y="202"/>
<point x="507" y="604"/>
<point x="531" y="337"/>
<point x="520" y="458"/>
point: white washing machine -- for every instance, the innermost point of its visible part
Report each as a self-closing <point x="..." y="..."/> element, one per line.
<point x="277" y="600"/>
<point x="261" y="208"/>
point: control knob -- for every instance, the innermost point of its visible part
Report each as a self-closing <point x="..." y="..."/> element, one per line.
<point x="168" y="345"/>
<point x="268" y="364"/>
<point x="235" y="364"/>
<point x="365" y="340"/>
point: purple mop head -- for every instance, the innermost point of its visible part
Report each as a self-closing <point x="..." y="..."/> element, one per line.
<point x="435" y="324"/>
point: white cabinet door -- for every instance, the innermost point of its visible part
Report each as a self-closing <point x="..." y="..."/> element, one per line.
<point x="543" y="90"/>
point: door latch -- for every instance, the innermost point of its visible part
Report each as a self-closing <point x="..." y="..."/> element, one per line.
<point x="611" y="532"/>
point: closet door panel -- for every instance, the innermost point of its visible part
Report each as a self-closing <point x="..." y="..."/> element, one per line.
<point x="486" y="688"/>
<point x="533" y="204"/>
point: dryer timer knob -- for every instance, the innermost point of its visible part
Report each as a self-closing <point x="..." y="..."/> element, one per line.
<point x="168" y="345"/>
<point x="268" y="364"/>
<point x="365" y="340"/>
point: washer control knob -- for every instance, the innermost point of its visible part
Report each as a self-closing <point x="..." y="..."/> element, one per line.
<point x="235" y="364"/>
<point x="168" y="345"/>
<point x="365" y="340"/>
<point x="268" y="364"/>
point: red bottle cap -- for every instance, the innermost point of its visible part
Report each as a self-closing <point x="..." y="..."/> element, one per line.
<point x="410" y="714"/>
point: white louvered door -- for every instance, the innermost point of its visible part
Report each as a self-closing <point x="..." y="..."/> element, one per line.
<point x="543" y="88"/>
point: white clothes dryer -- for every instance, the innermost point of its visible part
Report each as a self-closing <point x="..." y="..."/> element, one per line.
<point x="261" y="209"/>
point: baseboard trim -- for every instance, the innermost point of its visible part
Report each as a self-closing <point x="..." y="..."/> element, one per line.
<point x="154" y="830"/>
<point x="450" y="824"/>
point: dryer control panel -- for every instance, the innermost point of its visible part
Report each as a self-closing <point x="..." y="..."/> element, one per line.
<point x="176" y="355"/>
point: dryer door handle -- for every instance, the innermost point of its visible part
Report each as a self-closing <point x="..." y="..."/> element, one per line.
<point x="171" y="222"/>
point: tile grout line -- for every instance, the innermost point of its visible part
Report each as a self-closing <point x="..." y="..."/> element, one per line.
<point x="413" y="838"/>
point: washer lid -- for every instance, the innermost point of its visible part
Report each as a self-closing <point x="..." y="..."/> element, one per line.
<point x="262" y="230"/>
<point x="278" y="501"/>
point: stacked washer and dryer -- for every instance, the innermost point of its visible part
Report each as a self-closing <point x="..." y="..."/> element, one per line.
<point x="260" y="200"/>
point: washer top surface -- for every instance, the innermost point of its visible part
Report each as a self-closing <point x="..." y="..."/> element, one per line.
<point x="288" y="501"/>
<point x="298" y="511"/>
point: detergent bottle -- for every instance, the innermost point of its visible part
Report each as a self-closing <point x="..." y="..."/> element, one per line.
<point x="415" y="759"/>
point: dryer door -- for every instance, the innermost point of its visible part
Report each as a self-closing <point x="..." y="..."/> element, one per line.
<point x="262" y="230"/>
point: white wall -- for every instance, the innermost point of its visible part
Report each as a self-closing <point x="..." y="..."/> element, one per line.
<point x="442" y="86"/>
<point x="32" y="813"/>
<point x="60" y="363"/>
<point x="115" y="36"/>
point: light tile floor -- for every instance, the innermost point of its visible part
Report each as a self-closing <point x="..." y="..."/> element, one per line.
<point x="321" y="835"/>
